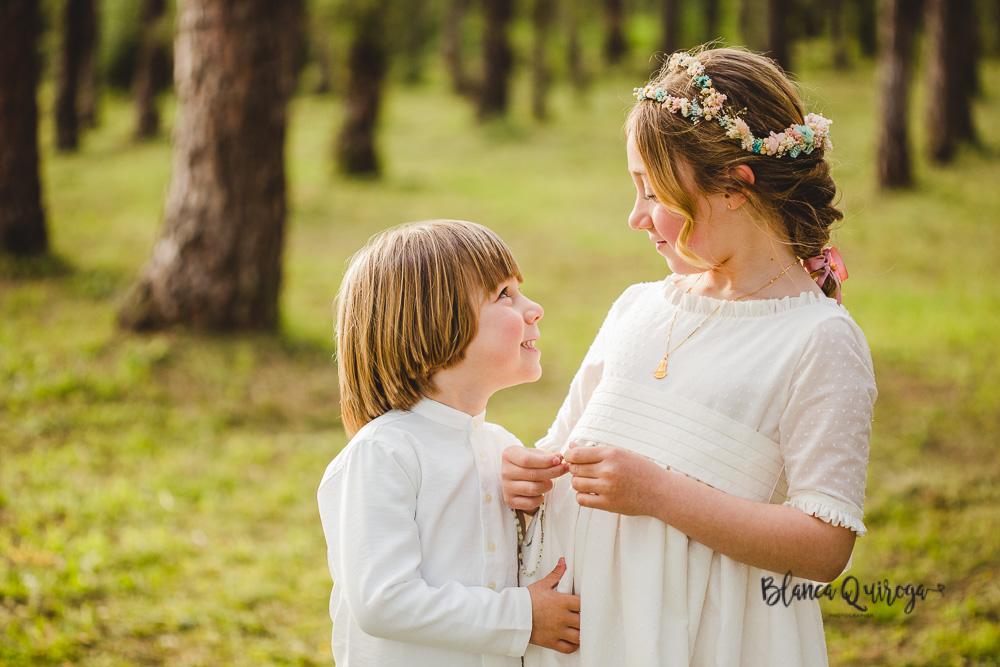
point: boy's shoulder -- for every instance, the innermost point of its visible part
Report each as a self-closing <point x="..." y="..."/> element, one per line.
<point x="391" y="430"/>
<point x="388" y="435"/>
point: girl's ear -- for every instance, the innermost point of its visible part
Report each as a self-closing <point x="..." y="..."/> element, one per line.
<point x="743" y="174"/>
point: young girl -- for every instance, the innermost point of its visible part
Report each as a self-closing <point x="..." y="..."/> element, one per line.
<point x="423" y="553"/>
<point x="717" y="431"/>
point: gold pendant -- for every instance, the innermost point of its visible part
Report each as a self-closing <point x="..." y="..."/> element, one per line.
<point x="661" y="370"/>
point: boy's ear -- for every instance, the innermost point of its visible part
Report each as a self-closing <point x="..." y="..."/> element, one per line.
<point x="743" y="174"/>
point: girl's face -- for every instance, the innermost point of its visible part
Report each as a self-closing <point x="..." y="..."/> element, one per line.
<point x="503" y="352"/>
<point x="663" y="225"/>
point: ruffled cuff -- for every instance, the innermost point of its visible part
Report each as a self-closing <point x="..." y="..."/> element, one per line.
<point x="829" y="509"/>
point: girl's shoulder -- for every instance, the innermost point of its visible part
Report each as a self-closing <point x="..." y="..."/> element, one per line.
<point x="643" y="293"/>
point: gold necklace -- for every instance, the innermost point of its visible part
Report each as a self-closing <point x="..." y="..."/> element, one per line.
<point x="661" y="370"/>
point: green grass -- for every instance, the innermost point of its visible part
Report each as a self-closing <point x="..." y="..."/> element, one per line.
<point x="157" y="492"/>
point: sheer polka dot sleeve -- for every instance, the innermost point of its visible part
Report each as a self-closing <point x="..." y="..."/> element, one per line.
<point x="826" y="425"/>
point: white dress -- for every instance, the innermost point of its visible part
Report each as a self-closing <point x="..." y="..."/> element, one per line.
<point x="771" y="400"/>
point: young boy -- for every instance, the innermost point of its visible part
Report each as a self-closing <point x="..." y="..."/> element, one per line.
<point x="422" y="549"/>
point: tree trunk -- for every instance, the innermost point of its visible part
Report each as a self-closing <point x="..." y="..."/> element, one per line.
<point x="367" y="62"/>
<point x="897" y="26"/>
<point x="324" y="59"/>
<point x="152" y="69"/>
<point x="217" y="264"/>
<point x="415" y="40"/>
<point x="995" y="6"/>
<point x="452" y="47"/>
<point x="77" y="15"/>
<point x="574" y="52"/>
<point x="22" y="219"/>
<point x="753" y="24"/>
<point x="808" y="17"/>
<point x="711" y="9"/>
<point x="87" y="94"/>
<point x="670" y="25"/>
<point x="778" y="46"/>
<point x="836" y="8"/>
<point x="542" y="19"/>
<point x="968" y="53"/>
<point x="615" y="46"/>
<point x="867" y="22"/>
<point x="498" y="59"/>
<point x="949" y="91"/>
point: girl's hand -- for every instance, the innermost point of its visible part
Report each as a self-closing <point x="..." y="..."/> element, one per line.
<point x="527" y="476"/>
<point x="616" y="480"/>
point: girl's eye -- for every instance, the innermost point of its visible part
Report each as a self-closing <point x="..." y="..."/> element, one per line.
<point x="650" y="197"/>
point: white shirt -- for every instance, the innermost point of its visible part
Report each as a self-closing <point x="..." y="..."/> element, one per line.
<point x="421" y="547"/>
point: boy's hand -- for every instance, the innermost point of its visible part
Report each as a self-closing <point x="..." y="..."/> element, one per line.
<point x="527" y="476"/>
<point x="555" y="617"/>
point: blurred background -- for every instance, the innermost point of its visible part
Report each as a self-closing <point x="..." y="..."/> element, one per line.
<point x="182" y="183"/>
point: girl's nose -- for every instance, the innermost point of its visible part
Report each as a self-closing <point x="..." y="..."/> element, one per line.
<point x="639" y="217"/>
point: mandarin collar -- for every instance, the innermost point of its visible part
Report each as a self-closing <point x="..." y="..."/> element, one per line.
<point x="448" y="416"/>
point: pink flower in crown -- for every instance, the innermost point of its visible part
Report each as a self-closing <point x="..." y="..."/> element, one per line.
<point x="742" y="128"/>
<point x="674" y="62"/>
<point x="774" y="142"/>
<point x="713" y="103"/>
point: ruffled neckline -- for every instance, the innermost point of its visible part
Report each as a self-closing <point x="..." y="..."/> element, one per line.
<point x="750" y="308"/>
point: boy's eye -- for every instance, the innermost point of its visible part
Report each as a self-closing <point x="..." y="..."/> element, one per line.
<point x="503" y="294"/>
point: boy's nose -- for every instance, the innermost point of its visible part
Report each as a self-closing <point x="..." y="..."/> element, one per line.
<point x="533" y="312"/>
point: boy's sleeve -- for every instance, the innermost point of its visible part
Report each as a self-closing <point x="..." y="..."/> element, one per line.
<point x="368" y="508"/>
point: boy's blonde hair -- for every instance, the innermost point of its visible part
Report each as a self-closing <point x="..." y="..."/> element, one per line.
<point x="408" y="307"/>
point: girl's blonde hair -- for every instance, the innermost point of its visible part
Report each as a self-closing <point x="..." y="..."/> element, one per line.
<point x="408" y="307"/>
<point x="793" y="196"/>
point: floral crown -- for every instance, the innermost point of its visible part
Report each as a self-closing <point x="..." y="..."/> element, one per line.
<point x="793" y="140"/>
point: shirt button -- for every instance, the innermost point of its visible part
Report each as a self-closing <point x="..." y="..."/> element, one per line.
<point x="491" y="546"/>
<point x="493" y="586"/>
<point x="481" y="452"/>
<point x="489" y="498"/>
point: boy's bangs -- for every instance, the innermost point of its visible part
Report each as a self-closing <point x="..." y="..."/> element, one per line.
<point x="491" y="263"/>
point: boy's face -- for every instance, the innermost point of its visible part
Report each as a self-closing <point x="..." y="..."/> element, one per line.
<point x="503" y="352"/>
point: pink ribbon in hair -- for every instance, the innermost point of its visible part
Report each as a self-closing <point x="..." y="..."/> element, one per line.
<point x="830" y="263"/>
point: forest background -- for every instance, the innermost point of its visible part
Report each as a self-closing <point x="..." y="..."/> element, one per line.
<point x="157" y="488"/>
